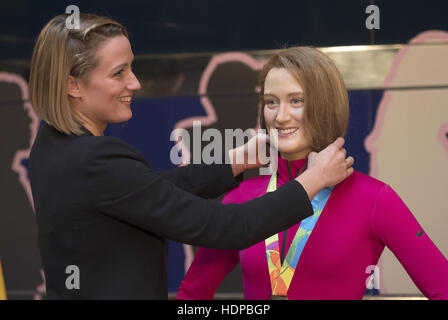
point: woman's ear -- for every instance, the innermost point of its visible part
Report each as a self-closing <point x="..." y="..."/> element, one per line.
<point x="73" y="87"/>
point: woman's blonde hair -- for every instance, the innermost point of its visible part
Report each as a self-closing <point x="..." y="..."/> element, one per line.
<point x="325" y="95"/>
<point x="60" y="52"/>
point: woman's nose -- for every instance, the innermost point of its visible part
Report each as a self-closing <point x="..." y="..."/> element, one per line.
<point x="134" y="84"/>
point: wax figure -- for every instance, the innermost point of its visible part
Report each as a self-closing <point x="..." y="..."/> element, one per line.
<point x="331" y="254"/>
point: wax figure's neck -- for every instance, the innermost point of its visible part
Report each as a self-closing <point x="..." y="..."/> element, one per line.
<point x="290" y="167"/>
<point x="296" y="156"/>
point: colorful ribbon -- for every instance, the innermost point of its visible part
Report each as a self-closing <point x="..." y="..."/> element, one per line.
<point x="281" y="275"/>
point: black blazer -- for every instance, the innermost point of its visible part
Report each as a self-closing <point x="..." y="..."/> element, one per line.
<point x="100" y="207"/>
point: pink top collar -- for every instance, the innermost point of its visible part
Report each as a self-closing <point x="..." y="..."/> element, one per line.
<point x="284" y="166"/>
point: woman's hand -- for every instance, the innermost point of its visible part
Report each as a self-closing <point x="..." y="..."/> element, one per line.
<point x="326" y="168"/>
<point x="251" y="154"/>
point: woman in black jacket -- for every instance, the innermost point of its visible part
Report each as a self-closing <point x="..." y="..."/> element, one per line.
<point x="103" y="215"/>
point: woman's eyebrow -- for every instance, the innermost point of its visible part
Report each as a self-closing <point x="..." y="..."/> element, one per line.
<point x="123" y="65"/>
<point x="120" y="66"/>
<point x="298" y="93"/>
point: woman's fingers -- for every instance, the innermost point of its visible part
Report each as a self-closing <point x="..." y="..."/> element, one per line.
<point x="349" y="171"/>
<point x="332" y="163"/>
<point x="339" y="142"/>
<point x="349" y="162"/>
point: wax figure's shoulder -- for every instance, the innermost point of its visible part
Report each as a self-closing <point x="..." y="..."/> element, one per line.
<point x="365" y="190"/>
<point x="247" y="190"/>
<point x="362" y="183"/>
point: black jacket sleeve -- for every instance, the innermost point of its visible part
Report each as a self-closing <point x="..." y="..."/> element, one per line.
<point x="206" y="181"/>
<point x="123" y="186"/>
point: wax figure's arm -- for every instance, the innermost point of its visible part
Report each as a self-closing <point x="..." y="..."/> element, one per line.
<point x="396" y="226"/>
<point x="125" y="188"/>
<point x="208" y="270"/>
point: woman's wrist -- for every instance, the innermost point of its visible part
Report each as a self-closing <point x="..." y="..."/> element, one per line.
<point x="311" y="181"/>
<point x="235" y="156"/>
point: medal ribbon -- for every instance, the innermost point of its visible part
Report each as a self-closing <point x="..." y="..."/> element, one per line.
<point x="281" y="275"/>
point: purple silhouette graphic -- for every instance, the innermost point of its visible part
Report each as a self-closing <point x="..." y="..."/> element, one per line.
<point x="228" y="94"/>
<point x="18" y="231"/>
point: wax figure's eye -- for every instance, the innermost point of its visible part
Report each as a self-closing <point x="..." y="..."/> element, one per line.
<point x="297" y="102"/>
<point x="271" y="103"/>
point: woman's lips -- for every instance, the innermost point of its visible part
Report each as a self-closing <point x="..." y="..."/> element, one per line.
<point x="125" y="100"/>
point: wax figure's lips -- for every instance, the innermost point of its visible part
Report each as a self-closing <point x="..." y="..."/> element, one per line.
<point x="286" y="132"/>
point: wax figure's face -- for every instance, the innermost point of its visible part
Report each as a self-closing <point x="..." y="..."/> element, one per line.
<point x="284" y="111"/>
<point x="107" y="91"/>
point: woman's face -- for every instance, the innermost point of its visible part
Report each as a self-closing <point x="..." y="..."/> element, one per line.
<point x="106" y="93"/>
<point x="283" y="110"/>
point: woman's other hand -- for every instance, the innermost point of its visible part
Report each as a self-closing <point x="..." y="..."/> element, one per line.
<point x="326" y="168"/>
<point x="253" y="154"/>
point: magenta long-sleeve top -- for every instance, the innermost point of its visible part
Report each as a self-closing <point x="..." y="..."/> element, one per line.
<point x="361" y="216"/>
